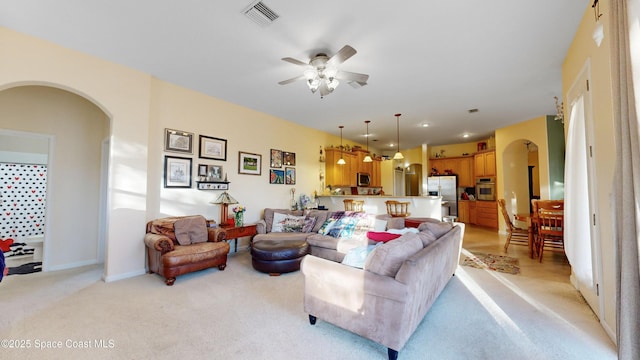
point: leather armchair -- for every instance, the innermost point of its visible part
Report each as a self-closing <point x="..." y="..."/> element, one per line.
<point x="196" y="247"/>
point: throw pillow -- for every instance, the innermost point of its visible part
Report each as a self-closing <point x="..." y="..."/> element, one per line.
<point x="293" y="223"/>
<point x="387" y="259"/>
<point x="357" y="256"/>
<point x="191" y="230"/>
<point x="381" y="236"/>
<point x="309" y="224"/>
<point x="327" y="226"/>
<point x="278" y="222"/>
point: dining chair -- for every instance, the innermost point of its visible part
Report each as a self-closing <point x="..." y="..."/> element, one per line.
<point x="353" y="205"/>
<point x="515" y="234"/>
<point x="397" y="208"/>
<point x="549" y="217"/>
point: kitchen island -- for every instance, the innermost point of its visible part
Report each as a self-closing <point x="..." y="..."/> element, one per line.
<point x="420" y="206"/>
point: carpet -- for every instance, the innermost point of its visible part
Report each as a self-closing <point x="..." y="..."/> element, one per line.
<point x="504" y="264"/>
<point x="27" y="268"/>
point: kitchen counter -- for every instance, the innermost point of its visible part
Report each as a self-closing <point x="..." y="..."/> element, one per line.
<point x="420" y="206"/>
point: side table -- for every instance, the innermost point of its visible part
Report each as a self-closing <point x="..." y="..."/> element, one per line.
<point x="235" y="232"/>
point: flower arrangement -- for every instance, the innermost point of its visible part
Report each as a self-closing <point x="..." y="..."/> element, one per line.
<point x="239" y="217"/>
<point x="239" y="209"/>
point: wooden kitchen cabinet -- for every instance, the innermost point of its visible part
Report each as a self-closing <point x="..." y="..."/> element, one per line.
<point x="487" y="214"/>
<point x="473" y="213"/>
<point x="463" y="211"/>
<point x="485" y="163"/>
<point x="461" y="166"/>
<point x="345" y="175"/>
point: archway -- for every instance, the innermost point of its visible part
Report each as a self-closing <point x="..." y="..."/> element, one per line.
<point x="75" y="203"/>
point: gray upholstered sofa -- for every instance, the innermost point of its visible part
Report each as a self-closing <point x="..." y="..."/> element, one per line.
<point x="387" y="299"/>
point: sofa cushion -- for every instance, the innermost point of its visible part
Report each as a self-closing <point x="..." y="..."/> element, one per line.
<point x="437" y="228"/>
<point x="283" y="236"/>
<point x="191" y="230"/>
<point x="427" y="238"/>
<point x="387" y="258"/>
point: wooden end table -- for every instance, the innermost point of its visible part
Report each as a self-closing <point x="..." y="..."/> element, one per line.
<point x="235" y="232"/>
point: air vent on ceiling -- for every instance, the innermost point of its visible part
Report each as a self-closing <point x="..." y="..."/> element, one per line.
<point x="260" y="13"/>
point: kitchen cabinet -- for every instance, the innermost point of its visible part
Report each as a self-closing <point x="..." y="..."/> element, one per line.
<point x="461" y="166"/>
<point x="463" y="211"/>
<point x="485" y="163"/>
<point x="345" y="175"/>
<point x="473" y="213"/>
<point x="487" y="214"/>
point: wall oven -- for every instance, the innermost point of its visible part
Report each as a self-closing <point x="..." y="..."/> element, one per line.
<point x="486" y="188"/>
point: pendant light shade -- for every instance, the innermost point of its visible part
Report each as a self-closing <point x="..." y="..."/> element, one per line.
<point x="341" y="160"/>
<point x="398" y="155"/>
<point x="367" y="158"/>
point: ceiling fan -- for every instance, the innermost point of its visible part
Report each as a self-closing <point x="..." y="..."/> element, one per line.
<point x="322" y="72"/>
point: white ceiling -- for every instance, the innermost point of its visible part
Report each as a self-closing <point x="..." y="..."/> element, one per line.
<point x="432" y="61"/>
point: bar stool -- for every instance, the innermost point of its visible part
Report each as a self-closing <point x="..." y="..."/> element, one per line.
<point x="397" y="208"/>
<point x="353" y="205"/>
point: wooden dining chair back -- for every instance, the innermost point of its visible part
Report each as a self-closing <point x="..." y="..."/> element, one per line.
<point x="549" y="215"/>
<point x="397" y="208"/>
<point x="353" y="205"/>
<point x="515" y="235"/>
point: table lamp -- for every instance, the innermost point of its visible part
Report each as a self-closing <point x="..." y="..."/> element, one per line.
<point x="224" y="199"/>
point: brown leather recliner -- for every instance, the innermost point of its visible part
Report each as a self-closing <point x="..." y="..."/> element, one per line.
<point x="183" y="244"/>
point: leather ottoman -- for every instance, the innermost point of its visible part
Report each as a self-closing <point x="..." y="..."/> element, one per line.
<point x="277" y="256"/>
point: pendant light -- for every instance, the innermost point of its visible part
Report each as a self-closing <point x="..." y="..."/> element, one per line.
<point x="398" y="155"/>
<point x="367" y="158"/>
<point x="341" y="161"/>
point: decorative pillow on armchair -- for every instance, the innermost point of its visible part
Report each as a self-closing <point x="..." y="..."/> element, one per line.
<point x="191" y="230"/>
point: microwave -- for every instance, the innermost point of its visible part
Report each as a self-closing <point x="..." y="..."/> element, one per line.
<point x="486" y="189"/>
<point x="363" y="179"/>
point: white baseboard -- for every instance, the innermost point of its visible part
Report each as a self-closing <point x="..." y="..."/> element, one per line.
<point x="124" y="276"/>
<point x="46" y="268"/>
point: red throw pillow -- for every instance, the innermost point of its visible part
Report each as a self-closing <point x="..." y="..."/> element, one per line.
<point x="381" y="236"/>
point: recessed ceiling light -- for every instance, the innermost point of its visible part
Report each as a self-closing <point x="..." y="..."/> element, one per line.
<point x="424" y="125"/>
<point x="465" y="135"/>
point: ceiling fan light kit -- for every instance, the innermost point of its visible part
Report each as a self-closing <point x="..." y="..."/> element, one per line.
<point x="322" y="72"/>
<point x="398" y="155"/>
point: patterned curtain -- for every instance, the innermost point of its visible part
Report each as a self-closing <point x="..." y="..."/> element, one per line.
<point x="23" y="188"/>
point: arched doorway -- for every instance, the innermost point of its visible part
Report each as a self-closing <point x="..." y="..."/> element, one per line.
<point x="75" y="204"/>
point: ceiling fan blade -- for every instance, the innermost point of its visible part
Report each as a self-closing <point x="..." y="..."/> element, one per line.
<point x="351" y="76"/>
<point x="289" y="81"/>
<point x="356" y="85"/>
<point x="295" y="61"/>
<point x="342" y="55"/>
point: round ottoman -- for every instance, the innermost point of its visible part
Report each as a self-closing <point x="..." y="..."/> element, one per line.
<point x="278" y="256"/>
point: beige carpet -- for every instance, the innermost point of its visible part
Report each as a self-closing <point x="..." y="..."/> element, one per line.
<point x="242" y="314"/>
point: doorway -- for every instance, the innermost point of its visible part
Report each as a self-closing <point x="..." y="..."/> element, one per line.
<point x="521" y="176"/>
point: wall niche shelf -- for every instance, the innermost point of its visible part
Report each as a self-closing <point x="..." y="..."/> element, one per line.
<point x="212" y="185"/>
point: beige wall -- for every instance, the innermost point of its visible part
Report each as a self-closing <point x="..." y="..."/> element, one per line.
<point x="583" y="49"/>
<point x="138" y="108"/>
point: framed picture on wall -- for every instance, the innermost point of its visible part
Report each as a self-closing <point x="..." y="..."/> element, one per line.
<point x="288" y="158"/>
<point x="276" y="158"/>
<point x="213" y="148"/>
<point x="178" y="141"/>
<point x="290" y="176"/>
<point x="276" y="176"/>
<point x="249" y="164"/>
<point x="177" y="172"/>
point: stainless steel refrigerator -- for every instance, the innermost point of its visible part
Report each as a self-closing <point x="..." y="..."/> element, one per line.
<point x="447" y="187"/>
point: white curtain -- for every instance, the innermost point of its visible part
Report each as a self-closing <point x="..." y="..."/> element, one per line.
<point x="625" y="60"/>
<point x="577" y="236"/>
